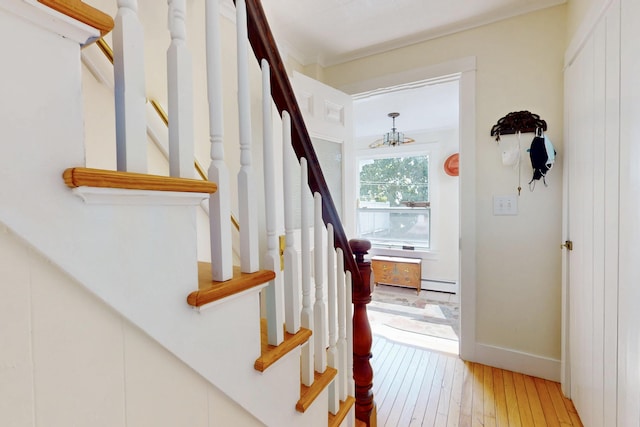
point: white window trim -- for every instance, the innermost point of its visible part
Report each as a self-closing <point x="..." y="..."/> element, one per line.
<point x="409" y="150"/>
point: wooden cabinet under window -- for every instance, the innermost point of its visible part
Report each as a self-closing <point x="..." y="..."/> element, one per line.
<point x="397" y="271"/>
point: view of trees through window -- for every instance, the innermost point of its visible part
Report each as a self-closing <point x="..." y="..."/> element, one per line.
<point x="394" y="202"/>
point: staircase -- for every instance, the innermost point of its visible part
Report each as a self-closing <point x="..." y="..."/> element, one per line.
<point x="289" y="345"/>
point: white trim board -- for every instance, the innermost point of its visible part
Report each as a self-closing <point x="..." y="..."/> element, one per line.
<point x="517" y="361"/>
<point x="120" y="196"/>
<point x="466" y="69"/>
<point x="584" y="31"/>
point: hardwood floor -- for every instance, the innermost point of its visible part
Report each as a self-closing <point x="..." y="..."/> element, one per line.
<point x="418" y="387"/>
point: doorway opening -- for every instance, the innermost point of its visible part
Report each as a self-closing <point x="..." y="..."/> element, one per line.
<point x="385" y="189"/>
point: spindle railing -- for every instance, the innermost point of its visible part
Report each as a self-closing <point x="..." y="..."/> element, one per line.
<point x="337" y="343"/>
<point x="359" y="355"/>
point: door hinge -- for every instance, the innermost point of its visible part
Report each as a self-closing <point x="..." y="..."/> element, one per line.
<point x="567" y="244"/>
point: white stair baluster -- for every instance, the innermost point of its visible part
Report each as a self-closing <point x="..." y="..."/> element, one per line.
<point x="180" y="94"/>
<point x="349" y="312"/>
<point x="249" y="260"/>
<point x="319" y="307"/>
<point x="291" y="280"/>
<point x="274" y="292"/>
<point x="332" y="302"/>
<point x="305" y="248"/>
<point x="129" y="89"/>
<point x="342" y="326"/>
<point x="220" y="201"/>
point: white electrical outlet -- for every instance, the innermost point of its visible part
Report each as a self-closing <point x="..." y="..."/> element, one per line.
<point x="505" y="205"/>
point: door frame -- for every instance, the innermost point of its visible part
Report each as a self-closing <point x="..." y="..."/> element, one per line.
<point x="465" y="69"/>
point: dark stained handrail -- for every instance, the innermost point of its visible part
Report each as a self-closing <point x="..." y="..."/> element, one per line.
<point x="264" y="47"/>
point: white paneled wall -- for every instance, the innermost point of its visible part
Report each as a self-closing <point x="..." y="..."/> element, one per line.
<point x="602" y="346"/>
<point x="629" y="273"/>
<point x="69" y="359"/>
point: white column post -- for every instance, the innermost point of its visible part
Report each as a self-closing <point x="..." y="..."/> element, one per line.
<point x="319" y="307"/>
<point x="180" y="92"/>
<point x="220" y="201"/>
<point x="129" y="89"/>
<point x="274" y="294"/>
<point x="291" y="280"/>
<point x="305" y="248"/>
<point x="249" y="261"/>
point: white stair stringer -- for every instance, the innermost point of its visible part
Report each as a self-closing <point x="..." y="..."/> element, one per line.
<point x="57" y="336"/>
<point x="138" y="258"/>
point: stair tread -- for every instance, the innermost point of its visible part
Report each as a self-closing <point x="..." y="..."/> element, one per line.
<point x="82" y="12"/>
<point x="320" y="382"/>
<point x="210" y="291"/>
<point x="270" y="354"/>
<point x="78" y="177"/>
<point x="345" y="407"/>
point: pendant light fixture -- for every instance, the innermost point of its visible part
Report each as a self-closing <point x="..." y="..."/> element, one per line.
<point x="393" y="138"/>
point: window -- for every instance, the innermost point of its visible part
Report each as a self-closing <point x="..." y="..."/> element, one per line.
<point x="393" y="206"/>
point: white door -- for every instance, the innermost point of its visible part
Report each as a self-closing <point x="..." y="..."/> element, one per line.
<point x="328" y="115"/>
<point x="591" y="224"/>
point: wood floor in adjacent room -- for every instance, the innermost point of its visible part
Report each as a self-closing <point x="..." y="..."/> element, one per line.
<point x="418" y="387"/>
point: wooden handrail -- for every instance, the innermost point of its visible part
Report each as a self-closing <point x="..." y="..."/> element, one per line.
<point x="264" y="47"/>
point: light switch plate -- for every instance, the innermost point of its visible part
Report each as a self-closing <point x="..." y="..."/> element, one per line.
<point x="505" y="205"/>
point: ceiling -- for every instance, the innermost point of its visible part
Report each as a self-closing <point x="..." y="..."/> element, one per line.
<point x="329" y="32"/>
<point x="421" y="107"/>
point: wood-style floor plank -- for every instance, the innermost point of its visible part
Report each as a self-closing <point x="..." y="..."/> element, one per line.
<point x="477" y="405"/>
<point x="419" y="387"/>
<point x="512" y="400"/>
<point x="571" y="409"/>
<point x="393" y="394"/>
<point x="453" y="418"/>
<point x="547" y="406"/>
<point x="526" y="417"/>
<point x="434" y="394"/>
<point x="390" y="384"/>
<point x="414" y="393"/>
<point x="403" y="396"/>
<point x="502" y="415"/>
<point x="558" y="402"/>
<point x="489" y="410"/>
<point x="534" y="402"/>
<point x="425" y="389"/>
<point x="445" y="397"/>
<point x="466" y="403"/>
<point x="387" y="363"/>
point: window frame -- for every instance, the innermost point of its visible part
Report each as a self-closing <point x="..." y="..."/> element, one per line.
<point x="409" y="150"/>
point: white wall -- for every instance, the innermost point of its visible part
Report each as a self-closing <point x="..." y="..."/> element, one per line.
<point x="519" y="67"/>
<point x="69" y="359"/>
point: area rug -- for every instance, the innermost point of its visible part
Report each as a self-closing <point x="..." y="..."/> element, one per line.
<point x="427" y="314"/>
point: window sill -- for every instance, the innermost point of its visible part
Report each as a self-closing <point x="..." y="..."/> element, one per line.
<point x="429" y="254"/>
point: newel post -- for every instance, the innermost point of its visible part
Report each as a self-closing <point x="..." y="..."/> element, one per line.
<point x="362" y="339"/>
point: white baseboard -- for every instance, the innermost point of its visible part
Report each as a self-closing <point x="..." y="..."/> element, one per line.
<point x="512" y="360"/>
<point x="439" y="286"/>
